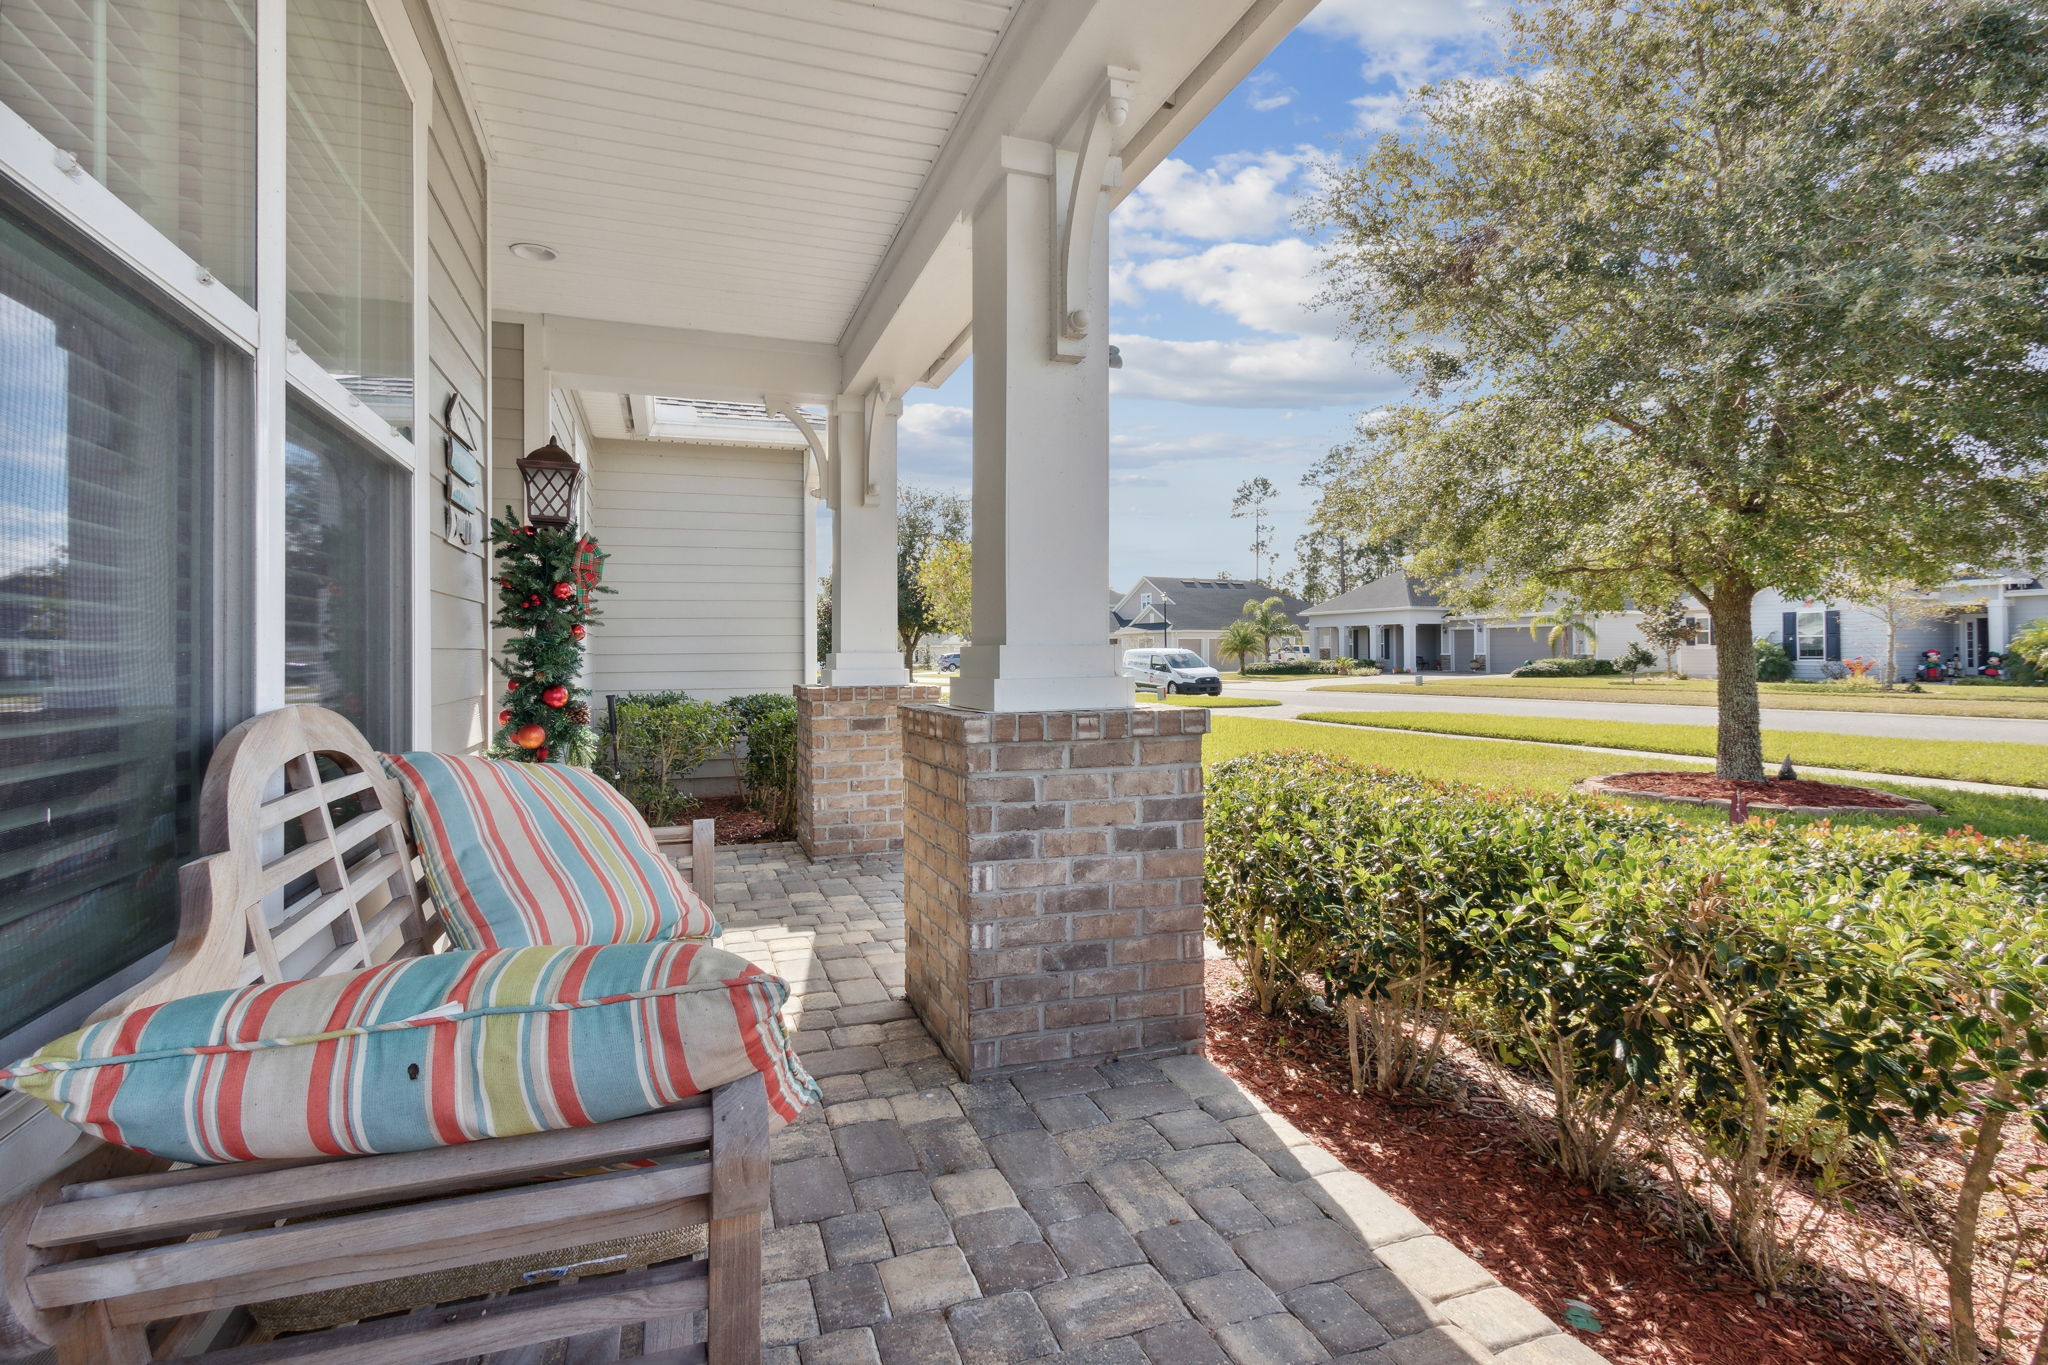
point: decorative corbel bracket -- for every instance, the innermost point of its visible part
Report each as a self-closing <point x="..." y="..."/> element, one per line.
<point x="1084" y="168"/>
<point x="821" y="457"/>
<point x="882" y="405"/>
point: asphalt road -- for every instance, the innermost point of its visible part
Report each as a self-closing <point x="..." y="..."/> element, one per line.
<point x="1295" y="697"/>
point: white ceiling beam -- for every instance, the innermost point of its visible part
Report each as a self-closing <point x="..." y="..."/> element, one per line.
<point x="675" y="362"/>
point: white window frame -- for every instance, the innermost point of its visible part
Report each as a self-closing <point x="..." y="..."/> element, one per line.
<point x="1799" y="635"/>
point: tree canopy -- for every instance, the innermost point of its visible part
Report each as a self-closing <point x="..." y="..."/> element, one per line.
<point x="1704" y="297"/>
<point x="926" y="519"/>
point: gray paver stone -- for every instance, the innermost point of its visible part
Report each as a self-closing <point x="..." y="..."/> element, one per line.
<point x="1281" y="1202"/>
<point x="1063" y="1204"/>
<point x="856" y="1239"/>
<point x="853" y="1347"/>
<point x="1019" y="1265"/>
<point x="780" y="1355"/>
<point x="1498" y="1318"/>
<point x="1109" y="1303"/>
<point x="915" y="1226"/>
<point x="1067" y="1080"/>
<point x="1196" y="1075"/>
<point x="1557" y="1349"/>
<point x="1226" y="1210"/>
<point x="1014" y="1117"/>
<point x="792" y="1253"/>
<point x="1438" y="1346"/>
<point x="1130" y="1140"/>
<point x="1234" y="1296"/>
<point x="1182" y="1343"/>
<point x="850" y="1296"/>
<point x="1366" y="1209"/>
<point x="945" y="1146"/>
<point x="1204" y="1168"/>
<point x="1142" y="1101"/>
<point x="883" y="1191"/>
<point x="809" y="1191"/>
<point x="1135" y="1192"/>
<point x="1231" y="1104"/>
<point x="800" y="1140"/>
<point x="966" y="1192"/>
<point x="1190" y="1128"/>
<point x="998" y="1331"/>
<point x="1063" y="1113"/>
<point x="936" y="1277"/>
<point x="1266" y="1132"/>
<point x="1434" y="1268"/>
<point x="1098" y="1241"/>
<point x="870" y="1149"/>
<point x="1335" y="1318"/>
<point x="843" y="1061"/>
<point x="919" y="1340"/>
<point x="1303" y="1253"/>
<point x="1032" y="1159"/>
<point x="1301" y="1163"/>
<point x="1120" y="1351"/>
<point x="993" y="1228"/>
<point x="1131" y="1073"/>
<point x="786" y="1314"/>
<point x="1188" y="1251"/>
<point x="1273" y="1340"/>
<point x="1392" y="1303"/>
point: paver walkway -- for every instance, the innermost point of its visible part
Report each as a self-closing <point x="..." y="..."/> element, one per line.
<point x="1136" y="1213"/>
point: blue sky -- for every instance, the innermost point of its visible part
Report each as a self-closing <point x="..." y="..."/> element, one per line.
<point x="1228" y="371"/>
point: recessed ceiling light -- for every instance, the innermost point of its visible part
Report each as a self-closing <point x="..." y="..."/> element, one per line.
<point x="533" y="251"/>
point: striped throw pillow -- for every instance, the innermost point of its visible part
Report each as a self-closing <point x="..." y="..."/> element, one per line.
<point x="519" y="854"/>
<point x="422" y="1052"/>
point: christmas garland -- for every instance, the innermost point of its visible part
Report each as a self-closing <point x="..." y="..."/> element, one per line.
<point x="547" y="578"/>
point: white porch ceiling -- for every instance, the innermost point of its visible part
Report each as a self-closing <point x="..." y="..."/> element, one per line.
<point x="730" y="166"/>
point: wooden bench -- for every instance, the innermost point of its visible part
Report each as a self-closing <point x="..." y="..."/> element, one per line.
<point x="119" y="1261"/>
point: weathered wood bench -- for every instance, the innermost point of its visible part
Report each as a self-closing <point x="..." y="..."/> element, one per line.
<point x="118" y="1261"/>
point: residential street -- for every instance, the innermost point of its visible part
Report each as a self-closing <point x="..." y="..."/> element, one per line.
<point x="1296" y="695"/>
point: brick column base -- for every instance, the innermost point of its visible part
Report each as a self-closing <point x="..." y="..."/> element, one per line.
<point x="1052" y="883"/>
<point x="849" y="768"/>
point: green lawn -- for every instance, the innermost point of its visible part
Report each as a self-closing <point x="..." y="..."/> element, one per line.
<point x="2023" y="703"/>
<point x="1531" y="768"/>
<point x="1188" y="699"/>
<point x="2020" y="765"/>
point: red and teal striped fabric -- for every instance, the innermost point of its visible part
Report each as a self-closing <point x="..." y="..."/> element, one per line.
<point x="519" y="854"/>
<point x="423" y="1052"/>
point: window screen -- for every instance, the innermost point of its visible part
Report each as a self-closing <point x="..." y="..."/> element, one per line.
<point x="345" y="558"/>
<point x="157" y="100"/>
<point x="107" y="618"/>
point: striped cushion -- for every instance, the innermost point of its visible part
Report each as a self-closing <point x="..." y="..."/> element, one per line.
<point x="422" y="1052"/>
<point x="519" y="854"/>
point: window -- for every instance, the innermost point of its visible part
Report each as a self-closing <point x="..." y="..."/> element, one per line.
<point x="157" y="100"/>
<point x="349" y="189"/>
<point x="1144" y="599"/>
<point x="345" y="574"/>
<point x="1812" y="633"/>
<point x="108" y="687"/>
<point x="1702" y="628"/>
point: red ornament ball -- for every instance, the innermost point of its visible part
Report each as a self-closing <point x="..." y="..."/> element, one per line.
<point x="577" y="630"/>
<point x="530" y="737"/>
<point x="512" y="684"/>
<point x="541" y="753"/>
<point x="557" y="695"/>
<point x="526" y="530"/>
<point x="564" y="591"/>
<point x="504" y="716"/>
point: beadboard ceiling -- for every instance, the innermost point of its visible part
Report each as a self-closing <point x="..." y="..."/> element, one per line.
<point x="726" y="165"/>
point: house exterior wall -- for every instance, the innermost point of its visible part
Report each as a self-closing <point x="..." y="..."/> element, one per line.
<point x="707" y="557"/>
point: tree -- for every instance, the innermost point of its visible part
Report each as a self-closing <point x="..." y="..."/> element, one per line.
<point x="1240" y="640"/>
<point x="1705" y="297"/>
<point x="1634" y="659"/>
<point x="946" y="579"/>
<point x="1253" y="498"/>
<point x="1331" y="557"/>
<point x="1668" y="629"/>
<point x="1902" y="603"/>
<point x="1563" y="621"/>
<point x="925" y="518"/>
<point x="2031" y="644"/>
<point x="1268" y="622"/>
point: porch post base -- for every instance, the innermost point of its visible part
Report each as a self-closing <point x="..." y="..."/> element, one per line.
<point x="849" y="767"/>
<point x="1052" y="883"/>
<point x="864" y="668"/>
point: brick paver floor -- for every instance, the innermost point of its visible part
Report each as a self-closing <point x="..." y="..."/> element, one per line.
<point x="1135" y="1213"/>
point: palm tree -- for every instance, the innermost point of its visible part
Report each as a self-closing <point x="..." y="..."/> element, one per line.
<point x="1563" y="621"/>
<point x="1241" y="639"/>
<point x="1269" y="622"/>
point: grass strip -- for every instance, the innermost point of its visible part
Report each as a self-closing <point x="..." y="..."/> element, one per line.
<point x="2022" y="704"/>
<point x="1529" y="768"/>
<point x="1185" y="699"/>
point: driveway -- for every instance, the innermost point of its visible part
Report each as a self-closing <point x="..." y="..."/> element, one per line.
<point x="1401" y="694"/>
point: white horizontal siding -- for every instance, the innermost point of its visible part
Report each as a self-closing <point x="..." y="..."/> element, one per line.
<point x="707" y="554"/>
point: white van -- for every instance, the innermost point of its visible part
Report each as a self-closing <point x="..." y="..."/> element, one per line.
<point x="1172" y="670"/>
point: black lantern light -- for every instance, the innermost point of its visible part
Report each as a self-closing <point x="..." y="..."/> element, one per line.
<point x="551" y="476"/>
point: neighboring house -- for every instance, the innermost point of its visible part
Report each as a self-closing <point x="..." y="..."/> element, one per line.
<point x="1391" y="621"/>
<point x="1189" y="613"/>
<point x="1987" y="612"/>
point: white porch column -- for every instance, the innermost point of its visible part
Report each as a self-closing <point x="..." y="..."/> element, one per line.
<point x="862" y="493"/>
<point x="1041" y="450"/>
<point x="1998" y="620"/>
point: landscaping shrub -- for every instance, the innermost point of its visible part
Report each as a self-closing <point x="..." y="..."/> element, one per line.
<point x="1293" y="669"/>
<point x="764" y="753"/>
<point x="660" y="738"/>
<point x="1566" y="668"/>
<point x="1773" y="664"/>
<point x="1714" y="991"/>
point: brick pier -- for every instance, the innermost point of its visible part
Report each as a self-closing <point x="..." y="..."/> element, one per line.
<point x="1053" y="883"/>
<point x="849" y="768"/>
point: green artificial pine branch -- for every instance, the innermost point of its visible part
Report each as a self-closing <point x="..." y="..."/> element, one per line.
<point x="548" y="579"/>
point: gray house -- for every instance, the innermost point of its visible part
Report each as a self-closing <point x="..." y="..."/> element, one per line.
<point x="1189" y="613"/>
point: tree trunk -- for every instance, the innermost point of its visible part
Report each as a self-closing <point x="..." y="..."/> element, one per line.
<point x="1738" y="745"/>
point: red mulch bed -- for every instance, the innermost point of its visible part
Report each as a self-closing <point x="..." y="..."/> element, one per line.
<point x="1465" y="1173"/>
<point x="736" y="824"/>
<point x="1799" y="792"/>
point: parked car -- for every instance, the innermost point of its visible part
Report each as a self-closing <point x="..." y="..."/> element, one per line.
<point x="1290" y="654"/>
<point x="1172" y="670"/>
<point x="950" y="663"/>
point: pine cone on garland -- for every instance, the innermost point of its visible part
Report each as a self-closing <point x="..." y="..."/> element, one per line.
<point x="577" y="713"/>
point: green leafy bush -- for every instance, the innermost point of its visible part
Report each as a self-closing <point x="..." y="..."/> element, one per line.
<point x="1773" y="664"/>
<point x="1714" y="990"/>
<point x="1294" y="668"/>
<point x="1566" y="668"/>
<point x="764" y="753"/>
<point x="659" y="739"/>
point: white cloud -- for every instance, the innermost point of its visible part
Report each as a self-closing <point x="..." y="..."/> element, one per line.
<point x="1237" y="196"/>
<point x="1267" y="286"/>
<point x="1298" y="372"/>
<point x="1411" y="40"/>
<point x="1264" y="93"/>
<point x="935" y="439"/>
<point x="1380" y="113"/>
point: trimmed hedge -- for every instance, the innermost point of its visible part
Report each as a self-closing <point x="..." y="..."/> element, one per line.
<point x="1658" y="977"/>
<point x="1566" y="668"/>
